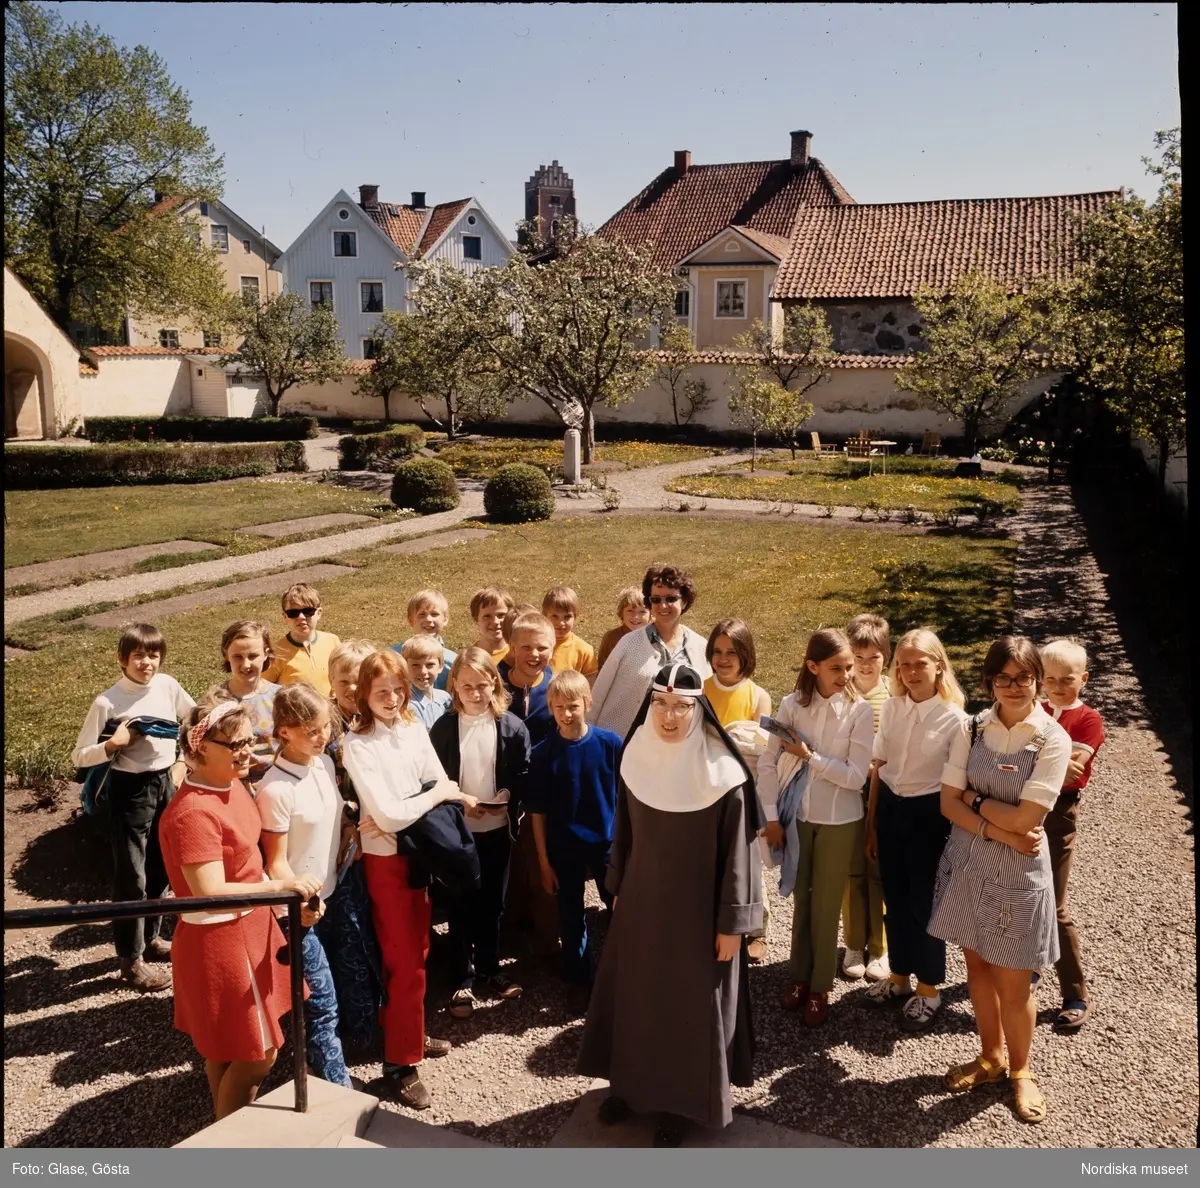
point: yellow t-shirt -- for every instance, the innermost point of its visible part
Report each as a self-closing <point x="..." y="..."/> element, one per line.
<point x="732" y="705"/>
<point x="293" y="662"/>
<point x="875" y="698"/>
<point x="574" y="653"/>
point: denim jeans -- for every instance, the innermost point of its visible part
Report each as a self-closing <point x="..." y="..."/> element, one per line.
<point x="322" y="1044"/>
<point x="573" y="861"/>
<point x="348" y="938"/>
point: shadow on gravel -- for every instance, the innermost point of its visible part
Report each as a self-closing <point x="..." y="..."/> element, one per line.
<point x="70" y="863"/>
<point x="81" y="936"/>
<point x="35" y="983"/>
<point x="533" y="1128"/>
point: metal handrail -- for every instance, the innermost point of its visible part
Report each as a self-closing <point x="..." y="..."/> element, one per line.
<point x="96" y="913"/>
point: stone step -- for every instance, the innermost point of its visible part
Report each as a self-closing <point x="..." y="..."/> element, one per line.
<point x="306" y="524"/>
<point x="66" y="568"/>
<point x="440" y="541"/>
<point x="390" y="1129"/>
<point x="350" y="1140"/>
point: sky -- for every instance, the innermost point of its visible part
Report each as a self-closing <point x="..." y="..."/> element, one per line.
<point x="904" y="102"/>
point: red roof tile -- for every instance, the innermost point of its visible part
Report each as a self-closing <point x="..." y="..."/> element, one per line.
<point x="101" y="352"/>
<point x="732" y="357"/>
<point x="894" y="249"/>
<point x="777" y="245"/>
<point x="677" y="213"/>
<point x="443" y="215"/>
<point x="402" y="224"/>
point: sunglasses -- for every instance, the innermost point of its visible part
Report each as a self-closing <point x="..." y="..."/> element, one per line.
<point x="294" y="612"/>
<point x="657" y="599"/>
<point x="1004" y="681"/>
<point x="241" y="744"/>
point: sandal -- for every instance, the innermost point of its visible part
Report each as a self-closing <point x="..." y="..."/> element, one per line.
<point x="962" y="1078"/>
<point x="1072" y="1016"/>
<point x="756" y="950"/>
<point x="1028" y="1109"/>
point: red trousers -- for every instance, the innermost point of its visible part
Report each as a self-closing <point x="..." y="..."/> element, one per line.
<point x="402" y="919"/>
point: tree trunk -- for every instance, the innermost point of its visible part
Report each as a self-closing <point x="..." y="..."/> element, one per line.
<point x="589" y="436"/>
<point x="273" y="400"/>
<point x="970" y="433"/>
<point x="387" y="405"/>
<point x="1164" y="456"/>
<point x="453" y="426"/>
<point x="753" y="448"/>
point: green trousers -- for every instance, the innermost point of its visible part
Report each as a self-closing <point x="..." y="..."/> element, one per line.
<point x="862" y="903"/>
<point x="823" y="865"/>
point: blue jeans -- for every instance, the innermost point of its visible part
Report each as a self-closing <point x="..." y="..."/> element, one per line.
<point x="348" y="938"/>
<point x="573" y="861"/>
<point x="322" y="1044"/>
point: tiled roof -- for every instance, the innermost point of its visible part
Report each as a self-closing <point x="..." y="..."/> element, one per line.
<point x="87" y="368"/>
<point x="733" y="357"/>
<point x="443" y="215"/>
<point x="895" y="249"/>
<point x="401" y="224"/>
<point x="102" y="352"/>
<point x="777" y="245"/>
<point x="677" y="213"/>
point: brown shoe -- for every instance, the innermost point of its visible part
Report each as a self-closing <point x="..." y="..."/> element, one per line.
<point x="794" y="996"/>
<point x="409" y="1090"/>
<point x="756" y="950"/>
<point x="137" y="975"/>
<point x="816" y="1010"/>
<point x="157" y="949"/>
<point x="436" y="1047"/>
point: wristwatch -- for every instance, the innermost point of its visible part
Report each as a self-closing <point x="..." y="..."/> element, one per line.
<point x="980" y="797"/>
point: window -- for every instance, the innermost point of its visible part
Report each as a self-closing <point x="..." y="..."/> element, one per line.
<point x="372" y="296"/>
<point x="204" y="209"/>
<point x="345" y="243"/>
<point x="472" y="247"/>
<point x="236" y="380"/>
<point x="211" y="339"/>
<point x="470" y="220"/>
<point x="169" y="338"/>
<point x="683" y="303"/>
<point x="343" y="214"/>
<point x="219" y="237"/>
<point x="246" y="246"/>
<point x="321" y="292"/>
<point x="370" y="348"/>
<point x="553" y="226"/>
<point x="250" y="288"/>
<point x="731" y="299"/>
<point x="555" y="200"/>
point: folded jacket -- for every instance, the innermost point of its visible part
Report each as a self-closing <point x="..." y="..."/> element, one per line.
<point x="93" y="780"/>
<point x="788" y="808"/>
<point x="440" y="846"/>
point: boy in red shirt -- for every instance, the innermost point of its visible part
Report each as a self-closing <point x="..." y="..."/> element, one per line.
<point x="1065" y="666"/>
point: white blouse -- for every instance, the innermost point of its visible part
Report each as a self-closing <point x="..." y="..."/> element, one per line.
<point x="302" y="801"/>
<point x="913" y="743"/>
<point x="388" y="765"/>
<point x="839" y="732"/>
<point x="477" y="742"/>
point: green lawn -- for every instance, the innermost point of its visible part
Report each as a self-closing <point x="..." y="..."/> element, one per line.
<point x="48" y="525"/>
<point x="784" y="579"/>
<point x="472" y="459"/>
<point x="924" y="484"/>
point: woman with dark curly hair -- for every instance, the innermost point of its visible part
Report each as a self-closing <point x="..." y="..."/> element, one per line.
<point x="629" y="670"/>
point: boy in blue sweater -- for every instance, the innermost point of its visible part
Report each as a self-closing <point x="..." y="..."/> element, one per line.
<point x="572" y="801"/>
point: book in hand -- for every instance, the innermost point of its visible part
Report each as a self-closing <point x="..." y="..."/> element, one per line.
<point x="777" y="728"/>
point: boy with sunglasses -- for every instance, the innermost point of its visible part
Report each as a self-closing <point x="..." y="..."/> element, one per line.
<point x="303" y="653"/>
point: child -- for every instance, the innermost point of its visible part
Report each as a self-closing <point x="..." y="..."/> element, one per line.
<point x="424" y="657"/>
<point x="862" y="903"/>
<point x="561" y="607"/>
<point x="246" y="651"/>
<point x="828" y="762"/>
<point x="1065" y="665"/>
<point x="489" y="607"/>
<point x="429" y="614"/>
<point x="486" y="750"/>
<point x="739" y="703"/>
<point x="573" y="799"/>
<point x="301" y="815"/>
<point x="138" y="788"/>
<point x="633" y="613"/>
<point x="906" y="831"/>
<point x="303" y="654"/>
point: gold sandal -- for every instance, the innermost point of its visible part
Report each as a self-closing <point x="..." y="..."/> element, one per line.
<point x="962" y="1078"/>
<point x="1032" y="1112"/>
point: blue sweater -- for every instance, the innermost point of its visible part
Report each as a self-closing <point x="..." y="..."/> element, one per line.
<point x="529" y="704"/>
<point x="573" y="783"/>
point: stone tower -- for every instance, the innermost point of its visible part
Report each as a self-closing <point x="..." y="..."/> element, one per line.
<point x="549" y="195"/>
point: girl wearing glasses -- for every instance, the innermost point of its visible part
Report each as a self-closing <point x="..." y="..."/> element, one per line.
<point x="995" y="895"/>
<point x="669" y="1023"/>
<point x="230" y="989"/>
<point x="629" y="670"/>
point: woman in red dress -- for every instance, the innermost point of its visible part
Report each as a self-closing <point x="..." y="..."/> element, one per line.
<point x="230" y="989"/>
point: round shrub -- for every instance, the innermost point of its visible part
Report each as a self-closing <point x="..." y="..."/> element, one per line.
<point x="517" y="493"/>
<point x="426" y="485"/>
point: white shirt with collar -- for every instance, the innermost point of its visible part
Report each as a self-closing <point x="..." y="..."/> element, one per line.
<point x="1049" y="770"/>
<point x="914" y="743"/>
<point x="838" y="731"/>
<point x="302" y="801"/>
<point x="388" y="765"/>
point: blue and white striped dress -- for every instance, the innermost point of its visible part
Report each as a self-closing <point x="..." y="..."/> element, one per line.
<point x="991" y="898"/>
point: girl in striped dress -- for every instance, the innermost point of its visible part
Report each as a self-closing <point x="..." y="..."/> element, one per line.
<point x="994" y="895"/>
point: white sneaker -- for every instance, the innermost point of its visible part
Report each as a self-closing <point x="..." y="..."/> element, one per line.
<point x="878" y="969"/>
<point x="852" y="964"/>
<point x="884" y="992"/>
<point x="919" y="1011"/>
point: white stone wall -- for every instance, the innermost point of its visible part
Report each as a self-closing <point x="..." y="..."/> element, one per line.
<point x="139" y="386"/>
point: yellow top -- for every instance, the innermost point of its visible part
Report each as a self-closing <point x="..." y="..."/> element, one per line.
<point x="293" y="662"/>
<point x="735" y="704"/>
<point x="572" y="652"/>
<point x="875" y="698"/>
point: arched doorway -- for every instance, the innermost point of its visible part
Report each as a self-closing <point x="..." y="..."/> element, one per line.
<point x="28" y="390"/>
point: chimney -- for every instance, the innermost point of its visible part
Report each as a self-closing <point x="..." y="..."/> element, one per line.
<point x="368" y="196"/>
<point x="418" y="199"/>
<point x="683" y="161"/>
<point x="801" y="144"/>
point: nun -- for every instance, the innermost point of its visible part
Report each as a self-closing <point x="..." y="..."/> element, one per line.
<point x="669" y="1022"/>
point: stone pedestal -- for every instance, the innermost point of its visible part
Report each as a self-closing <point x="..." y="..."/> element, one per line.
<point x="572" y="453"/>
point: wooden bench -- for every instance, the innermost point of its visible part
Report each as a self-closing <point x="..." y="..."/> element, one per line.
<point x="820" y="448"/>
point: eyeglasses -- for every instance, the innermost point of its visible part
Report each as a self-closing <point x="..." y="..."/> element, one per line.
<point x="1004" y="681"/>
<point x="674" y="711"/>
<point x="241" y="744"/>
<point x="294" y="612"/>
<point x="658" y="599"/>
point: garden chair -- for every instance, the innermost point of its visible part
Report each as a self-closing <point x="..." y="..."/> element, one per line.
<point x="858" y="450"/>
<point x="931" y="444"/>
<point x="820" y="448"/>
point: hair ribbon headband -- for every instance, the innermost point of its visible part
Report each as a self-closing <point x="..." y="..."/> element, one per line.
<point x="222" y="709"/>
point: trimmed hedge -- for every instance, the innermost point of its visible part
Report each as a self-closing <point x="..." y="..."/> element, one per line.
<point x="517" y="493"/>
<point x="379" y="451"/>
<point x="47" y="467"/>
<point x="290" y="428"/>
<point x="426" y="485"/>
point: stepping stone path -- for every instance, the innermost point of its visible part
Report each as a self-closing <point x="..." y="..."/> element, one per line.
<point x="69" y="567"/>
<point x="309" y="524"/>
<point x="425" y="543"/>
<point x="274" y="583"/>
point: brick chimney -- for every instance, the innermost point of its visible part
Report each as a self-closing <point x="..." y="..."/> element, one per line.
<point x="683" y="161"/>
<point x="368" y="196"/>
<point x="801" y="146"/>
<point x="418" y="199"/>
